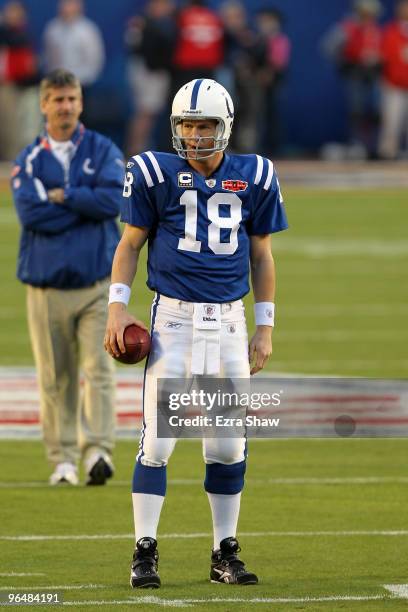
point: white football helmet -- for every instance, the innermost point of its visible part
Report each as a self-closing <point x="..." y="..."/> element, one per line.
<point x="202" y="99"/>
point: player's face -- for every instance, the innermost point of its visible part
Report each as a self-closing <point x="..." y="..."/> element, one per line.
<point x="198" y="134"/>
<point x="62" y="108"/>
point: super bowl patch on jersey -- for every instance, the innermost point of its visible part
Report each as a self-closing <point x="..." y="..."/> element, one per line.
<point x="231" y="185"/>
<point x="185" y="179"/>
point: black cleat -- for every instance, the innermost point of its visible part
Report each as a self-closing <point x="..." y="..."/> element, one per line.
<point x="227" y="568"/>
<point x="100" y="472"/>
<point x="143" y="574"/>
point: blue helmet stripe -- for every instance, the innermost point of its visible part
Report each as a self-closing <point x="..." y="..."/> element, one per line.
<point x="194" y="94"/>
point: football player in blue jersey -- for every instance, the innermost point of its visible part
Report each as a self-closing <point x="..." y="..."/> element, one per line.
<point x="207" y="217"/>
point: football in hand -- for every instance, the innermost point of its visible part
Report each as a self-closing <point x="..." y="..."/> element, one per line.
<point x="137" y="344"/>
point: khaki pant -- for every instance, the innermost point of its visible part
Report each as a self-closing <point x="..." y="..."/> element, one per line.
<point x="9" y="142"/>
<point x="21" y="119"/>
<point x="67" y="329"/>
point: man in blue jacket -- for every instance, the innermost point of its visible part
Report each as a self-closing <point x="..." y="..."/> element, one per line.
<point x="67" y="188"/>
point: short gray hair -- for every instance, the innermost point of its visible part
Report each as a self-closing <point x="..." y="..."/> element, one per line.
<point x="56" y="80"/>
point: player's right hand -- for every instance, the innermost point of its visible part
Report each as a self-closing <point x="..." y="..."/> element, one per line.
<point x="118" y="320"/>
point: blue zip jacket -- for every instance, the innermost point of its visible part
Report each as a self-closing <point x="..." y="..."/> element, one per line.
<point x="68" y="245"/>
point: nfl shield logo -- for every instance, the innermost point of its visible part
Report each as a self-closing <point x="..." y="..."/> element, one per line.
<point x="209" y="311"/>
<point x="211" y="183"/>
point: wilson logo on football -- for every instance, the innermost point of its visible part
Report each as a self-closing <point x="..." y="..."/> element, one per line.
<point x="231" y="185"/>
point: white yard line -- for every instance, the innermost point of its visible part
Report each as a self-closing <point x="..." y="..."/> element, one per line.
<point x="184" y="536"/>
<point x="400" y="590"/>
<point x="53" y="587"/>
<point x="318" y="247"/>
<point x="339" y="335"/>
<point x="13" y="574"/>
<point x="185" y="603"/>
<point x="323" y="364"/>
<point x="364" y="309"/>
<point x="324" y="480"/>
<point x="357" y="480"/>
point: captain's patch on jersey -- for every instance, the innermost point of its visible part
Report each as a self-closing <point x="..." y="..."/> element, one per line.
<point x="185" y="179"/>
<point x="231" y="185"/>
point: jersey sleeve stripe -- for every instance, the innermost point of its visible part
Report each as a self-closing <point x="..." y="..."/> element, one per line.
<point x="269" y="176"/>
<point x="259" y="169"/>
<point x="156" y="166"/>
<point x="141" y="163"/>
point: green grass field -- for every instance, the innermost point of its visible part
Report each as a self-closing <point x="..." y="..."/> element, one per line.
<point x="342" y="285"/>
<point x="290" y="566"/>
<point x="341" y="310"/>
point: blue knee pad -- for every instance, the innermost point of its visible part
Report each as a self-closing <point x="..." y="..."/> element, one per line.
<point x="147" y="479"/>
<point x="224" y="479"/>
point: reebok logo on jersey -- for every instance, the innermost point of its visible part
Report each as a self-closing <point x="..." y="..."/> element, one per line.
<point x="231" y="185"/>
<point x="185" y="179"/>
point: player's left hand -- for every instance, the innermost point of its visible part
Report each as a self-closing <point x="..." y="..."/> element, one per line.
<point x="260" y="348"/>
<point x="56" y="196"/>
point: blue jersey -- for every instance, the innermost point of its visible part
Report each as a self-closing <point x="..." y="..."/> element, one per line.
<point x="200" y="226"/>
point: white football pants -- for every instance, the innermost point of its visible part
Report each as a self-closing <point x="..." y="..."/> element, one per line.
<point x="171" y="356"/>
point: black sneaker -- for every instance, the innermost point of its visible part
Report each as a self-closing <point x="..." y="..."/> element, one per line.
<point x="100" y="472"/>
<point x="226" y="567"/>
<point x="143" y="574"/>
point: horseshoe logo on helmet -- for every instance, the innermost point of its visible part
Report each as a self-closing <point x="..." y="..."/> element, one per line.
<point x="230" y="114"/>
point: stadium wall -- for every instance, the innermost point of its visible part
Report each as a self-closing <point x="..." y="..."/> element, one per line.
<point x="312" y="101"/>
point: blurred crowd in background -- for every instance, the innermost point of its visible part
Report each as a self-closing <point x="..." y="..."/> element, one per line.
<point x="168" y="44"/>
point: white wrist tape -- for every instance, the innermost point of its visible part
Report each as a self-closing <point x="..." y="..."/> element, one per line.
<point x="265" y="313"/>
<point x="119" y="292"/>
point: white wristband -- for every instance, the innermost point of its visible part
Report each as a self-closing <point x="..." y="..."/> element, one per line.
<point x="265" y="313"/>
<point x="119" y="292"/>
